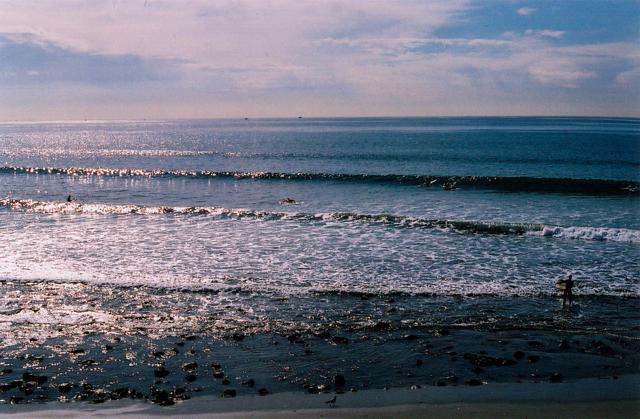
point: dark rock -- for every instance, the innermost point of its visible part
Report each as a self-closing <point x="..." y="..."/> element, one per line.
<point x="191" y="352"/>
<point x="108" y="347"/>
<point x="507" y="362"/>
<point x="87" y="362"/>
<point x="308" y="351"/>
<point x="180" y="343"/>
<point x="161" y="372"/>
<point x="419" y="362"/>
<point x="191" y="337"/>
<point x="295" y="338"/>
<point x="229" y="393"/>
<point x="64" y="387"/>
<point x="442" y="332"/>
<point x="40" y="379"/>
<point x="556" y="377"/>
<point x="180" y="395"/>
<point x="10" y="385"/>
<point x="77" y="351"/>
<point x="518" y="354"/>
<point x="120" y="393"/>
<point x="564" y="344"/>
<point x="16" y="399"/>
<point x="323" y="334"/>
<point x="27" y="388"/>
<point x="313" y="389"/>
<point x="340" y="340"/>
<point x="218" y="374"/>
<point x="392" y="310"/>
<point x="161" y="397"/>
<point x="339" y="380"/>
<point x="263" y="391"/>
<point x="191" y="378"/>
<point x="226" y="382"/>
<point x="158" y="354"/>
<point x="533" y="359"/>
<point x="6" y="371"/>
<point x="237" y="337"/>
<point x="411" y="337"/>
<point x="474" y="382"/>
<point x="249" y="383"/>
<point x="382" y="325"/>
<point x="190" y="366"/>
<point x="216" y="366"/>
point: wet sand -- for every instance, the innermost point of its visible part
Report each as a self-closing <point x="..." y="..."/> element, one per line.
<point x="184" y="369"/>
<point x="587" y="398"/>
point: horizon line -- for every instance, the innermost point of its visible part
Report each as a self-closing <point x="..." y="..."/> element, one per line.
<point x="225" y="118"/>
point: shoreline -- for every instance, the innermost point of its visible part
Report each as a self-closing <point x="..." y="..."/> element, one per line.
<point x="590" y="397"/>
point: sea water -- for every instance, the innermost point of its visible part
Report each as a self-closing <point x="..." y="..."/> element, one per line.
<point x="283" y="225"/>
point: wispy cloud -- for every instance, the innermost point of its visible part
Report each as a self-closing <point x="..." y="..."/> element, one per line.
<point x="526" y="11"/>
<point x="545" y="32"/>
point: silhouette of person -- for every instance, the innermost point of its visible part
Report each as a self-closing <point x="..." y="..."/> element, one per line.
<point x="567" y="293"/>
<point x="69" y="198"/>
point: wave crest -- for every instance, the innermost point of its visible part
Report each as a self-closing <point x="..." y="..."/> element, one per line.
<point x="390" y="220"/>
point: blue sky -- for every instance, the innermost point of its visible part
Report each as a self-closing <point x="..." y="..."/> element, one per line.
<point x="230" y="58"/>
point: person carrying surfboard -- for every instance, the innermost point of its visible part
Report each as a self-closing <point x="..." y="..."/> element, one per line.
<point x="566" y="285"/>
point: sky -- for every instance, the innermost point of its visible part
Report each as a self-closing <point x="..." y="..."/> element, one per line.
<point x="154" y="59"/>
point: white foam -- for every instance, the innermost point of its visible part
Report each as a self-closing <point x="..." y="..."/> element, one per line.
<point x="591" y="233"/>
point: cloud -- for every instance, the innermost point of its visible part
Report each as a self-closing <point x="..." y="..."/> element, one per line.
<point x="545" y="33"/>
<point x="28" y="60"/>
<point x="199" y="58"/>
<point x="526" y="11"/>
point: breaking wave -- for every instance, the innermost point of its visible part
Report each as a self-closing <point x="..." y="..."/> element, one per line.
<point x="390" y="220"/>
<point x="513" y="184"/>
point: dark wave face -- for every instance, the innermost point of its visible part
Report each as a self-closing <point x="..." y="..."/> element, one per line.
<point x="514" y="184"/>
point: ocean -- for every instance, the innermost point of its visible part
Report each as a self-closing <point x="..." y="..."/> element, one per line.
<point x="231" y="235"/>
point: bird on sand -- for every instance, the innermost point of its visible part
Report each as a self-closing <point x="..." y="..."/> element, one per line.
<point x="331" y="402"/>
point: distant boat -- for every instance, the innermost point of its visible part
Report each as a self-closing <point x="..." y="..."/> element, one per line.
<point x="299" y="117"/>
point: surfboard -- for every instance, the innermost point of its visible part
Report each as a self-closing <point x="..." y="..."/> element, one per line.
<point x="561" y="285"/>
